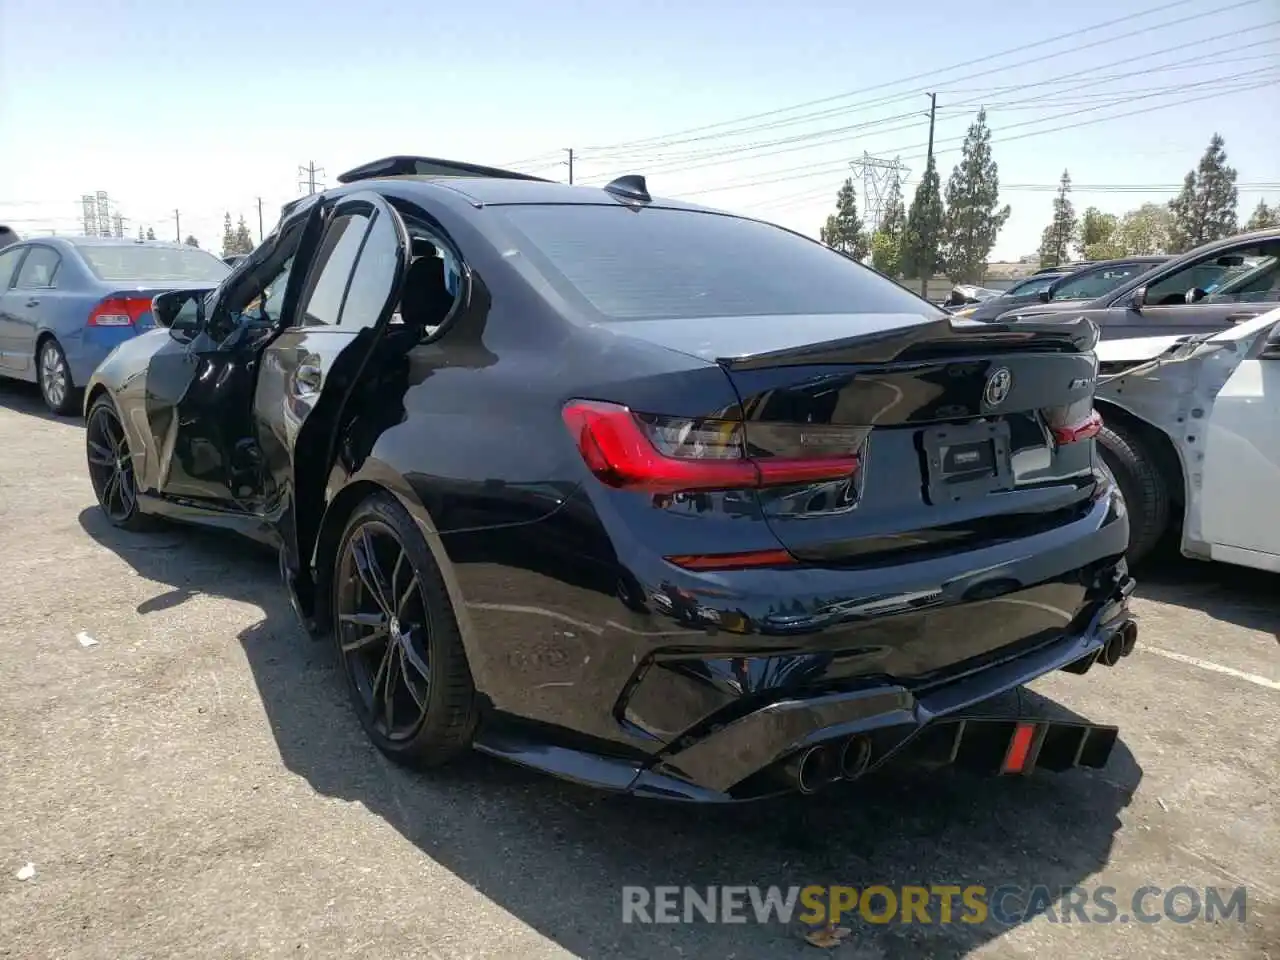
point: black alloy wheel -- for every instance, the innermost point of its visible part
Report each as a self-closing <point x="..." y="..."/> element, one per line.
<point x="398" y="639"/>
<point x="111" y="466"/>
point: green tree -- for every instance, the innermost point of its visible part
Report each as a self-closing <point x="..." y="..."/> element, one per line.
<point x="1098" y="237"/>
<point x="1145" y="231"/>
<point x="228" y="236"/>
<point x="1063" y="231"/>
<point x="191" y="241"/>
<point x="1263" y="217"/>
<point x="151" y="234"/>
<point x="920" y="257"/>
<point x="243" y="239"/>
<point x="886" y="242"/>
<point x="974" y="217"/>
<point x="843" y="229"/>
<point x="1205" y="210"/>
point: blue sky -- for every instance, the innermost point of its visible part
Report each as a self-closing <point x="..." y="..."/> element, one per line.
<point x="206" y="107"/>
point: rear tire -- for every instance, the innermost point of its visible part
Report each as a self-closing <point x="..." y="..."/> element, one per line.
<point x="54" y="376"/>
<point x="1145" y="489"/>
<point x="394" y="627"/>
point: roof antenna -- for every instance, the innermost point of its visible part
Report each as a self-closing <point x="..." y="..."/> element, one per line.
<point x="629" y="187"/>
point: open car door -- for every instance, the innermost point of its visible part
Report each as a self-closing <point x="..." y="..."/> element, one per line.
<point x="351" y="288"/>
<point x="1239" y="508"/>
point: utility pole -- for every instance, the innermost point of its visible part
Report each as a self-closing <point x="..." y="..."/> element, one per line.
<point x="177" y="223"/>
<point x="570" y="152"/>
<point x="259" y="219"/>
<point x="310" y="171"/>
<point x="928" y="167"/>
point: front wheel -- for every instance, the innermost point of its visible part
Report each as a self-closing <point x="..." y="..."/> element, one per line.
<point x="1144" y="488"/>
<point x="398" y="638"/>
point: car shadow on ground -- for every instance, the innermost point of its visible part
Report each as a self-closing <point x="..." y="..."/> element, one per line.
<point x="1239" y="595"/>
<point x="557" y="856"/>
<point x="22" y="397"/>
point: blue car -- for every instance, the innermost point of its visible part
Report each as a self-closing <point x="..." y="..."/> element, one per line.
<point x="67" y="302"/>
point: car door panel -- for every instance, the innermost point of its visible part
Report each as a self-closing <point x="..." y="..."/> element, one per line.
<point x="1239" y="508"/>
<point x="309" y="369"/>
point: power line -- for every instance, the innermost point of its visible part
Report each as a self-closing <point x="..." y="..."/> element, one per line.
<point x="831" y="136"/>
<point x="659" y="139"/>
<point x="809" y="170"/>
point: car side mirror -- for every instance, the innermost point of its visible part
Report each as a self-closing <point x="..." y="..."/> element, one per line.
<point x="1045" y="296"/>
<point x="1139" y="298"/>
<point x="182" y="311"/>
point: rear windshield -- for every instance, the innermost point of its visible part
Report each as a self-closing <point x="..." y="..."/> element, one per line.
<point x="140" y="262"/>
<point x="658" y="263"/>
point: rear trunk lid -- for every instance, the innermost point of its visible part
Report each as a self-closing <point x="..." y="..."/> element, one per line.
<point x="965" y="433"/>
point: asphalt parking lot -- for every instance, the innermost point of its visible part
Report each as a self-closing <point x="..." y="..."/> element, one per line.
<point x="193" y="784"/>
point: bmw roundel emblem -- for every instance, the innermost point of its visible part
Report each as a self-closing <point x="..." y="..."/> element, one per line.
<point x="998" y="386"/>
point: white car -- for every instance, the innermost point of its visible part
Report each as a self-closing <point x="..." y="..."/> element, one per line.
<point x="1192" y="434"/>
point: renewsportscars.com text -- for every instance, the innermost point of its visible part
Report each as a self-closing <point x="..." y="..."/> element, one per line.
<point x="1007" y="905"/>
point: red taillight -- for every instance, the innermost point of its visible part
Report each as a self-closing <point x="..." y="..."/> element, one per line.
<point x="734" y="561"/>
<point x="1074" y="433"/>
<point x="119" y="311"/>
<point x="673" y="455"/>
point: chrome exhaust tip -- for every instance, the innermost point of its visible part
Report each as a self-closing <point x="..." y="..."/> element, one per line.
<point x="855" y="758"/>
<point x="1112" y="650"/>
<point x="813" y="768"/>
<point x="1128" y="637"/>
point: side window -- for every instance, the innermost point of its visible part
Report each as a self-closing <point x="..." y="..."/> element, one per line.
<point x="39" y="268"/>
<point x="1096" y="283"/>
<point x="1205" y="275"/>
<point x="374" y="278"/>
<point x="9" y="263"/>
<point x="332" y="268"/>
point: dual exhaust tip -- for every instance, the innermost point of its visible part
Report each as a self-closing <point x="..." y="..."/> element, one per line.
<point x="826" y="763"/>
<point x="1119" y="644"/>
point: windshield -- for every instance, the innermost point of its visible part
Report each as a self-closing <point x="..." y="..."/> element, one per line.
<point x="1090" y="284"/>
<point x="1031" y="285"/>
<point x="658" y="263"/>
<point x="141" y="262"/>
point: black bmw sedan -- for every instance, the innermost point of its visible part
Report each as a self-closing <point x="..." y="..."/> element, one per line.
<point x="654" y="497"/>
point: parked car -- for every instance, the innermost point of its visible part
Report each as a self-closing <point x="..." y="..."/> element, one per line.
<point x="1179" y="296"/>
<point x="630" y="491"/>
<point x="65" y="302"/>
<point x="1062" y="267"/>
<point x="7" y="236"/>
<point x="1192" y="435"/>
<point x="964" y="293"/>
<point x="1082" y="285"/>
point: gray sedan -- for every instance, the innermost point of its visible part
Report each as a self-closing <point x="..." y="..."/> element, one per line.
<point x="66" y="302"/>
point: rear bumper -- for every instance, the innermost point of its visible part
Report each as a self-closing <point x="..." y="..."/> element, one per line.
<point x="699" y="696"/>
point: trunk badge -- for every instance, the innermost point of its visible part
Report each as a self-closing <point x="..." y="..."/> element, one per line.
<point x="998" y="386"/>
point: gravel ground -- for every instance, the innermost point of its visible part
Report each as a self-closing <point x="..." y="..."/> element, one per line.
<point x="194" y="784"/>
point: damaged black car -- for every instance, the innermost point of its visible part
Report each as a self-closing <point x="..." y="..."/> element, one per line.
<point x="657" y="498"/>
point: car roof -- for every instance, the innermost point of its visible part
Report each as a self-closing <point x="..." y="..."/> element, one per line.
<point x="122" y="242"/>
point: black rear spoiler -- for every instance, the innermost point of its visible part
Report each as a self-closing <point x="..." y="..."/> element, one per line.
<point x="404" y="166"/>
<point x="941" y="339"/>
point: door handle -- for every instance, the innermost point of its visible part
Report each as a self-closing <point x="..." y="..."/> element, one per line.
<point x="307" y="379"/>
<point x="33" y="302"/>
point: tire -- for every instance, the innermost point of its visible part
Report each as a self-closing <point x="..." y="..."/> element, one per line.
<point x="54" y="377"/>
<point x="1145" y="489"/>
<point x="414" y="628"/>
<point x="111" y="467"/>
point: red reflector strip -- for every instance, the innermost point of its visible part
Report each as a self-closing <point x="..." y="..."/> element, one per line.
<point x="734" y="561"/>
<point x="1015" y="760"/>
<point x="1086" y="428"/>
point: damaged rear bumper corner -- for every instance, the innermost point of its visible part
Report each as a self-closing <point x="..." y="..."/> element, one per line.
<point x="897" y="723"/>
